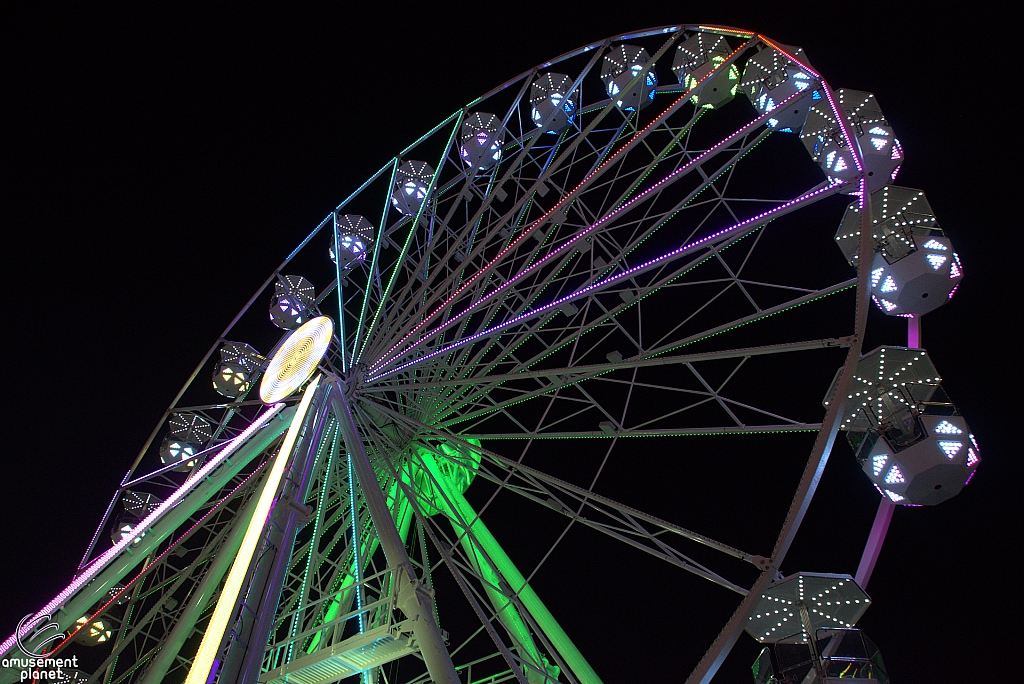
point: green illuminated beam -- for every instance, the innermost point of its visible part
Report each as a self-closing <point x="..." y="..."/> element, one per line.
<point x="458" y="508"/>
<point x="506" y="611"/>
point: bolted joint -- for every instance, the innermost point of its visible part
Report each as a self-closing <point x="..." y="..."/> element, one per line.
<point x="302" y="512"/>
<point x="414" y="597"/>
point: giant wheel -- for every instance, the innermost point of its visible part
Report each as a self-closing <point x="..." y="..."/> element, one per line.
<point x="577" y="324"/>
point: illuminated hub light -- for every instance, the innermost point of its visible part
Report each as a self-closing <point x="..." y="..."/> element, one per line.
<point x="974" y="442"/>
<point x="889" y="285"/>
<point x="894" y="476"/>
<point x="935" y="244"/>
<point x="935" y="260"/>
<point x="878" y="130"/>
<point x="879" y="143"/>
<point x="894" y="497"/>
<point x="972" y="457"/>
<point x="876" y="275"/>
<point x="947" y="428"/>
<point x="953" y="291"/>
<point x="878" y="462"/>
<point x="951" y="449"/>
<point x="296" y="360"/>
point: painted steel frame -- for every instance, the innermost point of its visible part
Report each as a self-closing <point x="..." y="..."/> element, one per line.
<point x="372" y="367"/>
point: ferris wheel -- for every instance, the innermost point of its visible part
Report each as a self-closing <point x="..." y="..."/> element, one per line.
<point x="566" y="328"/>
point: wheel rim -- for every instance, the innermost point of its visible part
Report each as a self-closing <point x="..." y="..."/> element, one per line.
<point x="436" y="361"/>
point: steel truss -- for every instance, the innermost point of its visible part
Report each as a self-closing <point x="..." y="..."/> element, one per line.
<point x="645" y="281"/>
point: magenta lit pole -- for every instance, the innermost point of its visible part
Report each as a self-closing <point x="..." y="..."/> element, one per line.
<point x="883" y="516"/>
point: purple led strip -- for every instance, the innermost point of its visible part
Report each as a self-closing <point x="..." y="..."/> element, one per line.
<point x="557" y="206"/>
<point x="854" y="151"/>
<point x="611" y="279"/>
<point x="840" y="119"/>
<point x="102" y="560"/>
<point x="683" y="169"/>
<point x="778" y="48"/>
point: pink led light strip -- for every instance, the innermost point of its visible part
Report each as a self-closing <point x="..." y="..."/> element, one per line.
<point x="682" y="170"/>
<point x="129" y="585"/>
<point x="625" y="274"/>
<point x="111" y="553"/>
<point x="839" y="118"/>
<point x="570" y="195"/>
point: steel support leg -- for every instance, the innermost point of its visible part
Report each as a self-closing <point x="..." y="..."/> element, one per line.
<point x="461" y="510"/>
<point x="414" y="599"/>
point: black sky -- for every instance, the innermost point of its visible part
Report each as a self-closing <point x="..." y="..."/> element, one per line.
<point x="158" y="162"/>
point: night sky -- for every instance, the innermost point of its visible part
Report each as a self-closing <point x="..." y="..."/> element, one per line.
<point x="157" y="165"/>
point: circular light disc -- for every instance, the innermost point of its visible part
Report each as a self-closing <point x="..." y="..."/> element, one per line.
<point x="296" y="360"/>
